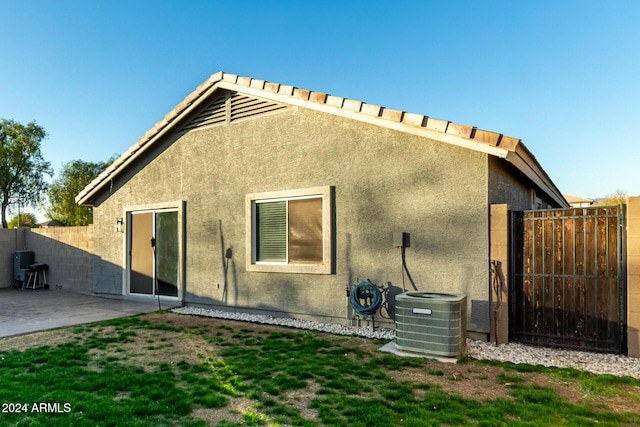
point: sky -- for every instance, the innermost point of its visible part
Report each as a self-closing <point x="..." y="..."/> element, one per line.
<point x="563" y="76"/>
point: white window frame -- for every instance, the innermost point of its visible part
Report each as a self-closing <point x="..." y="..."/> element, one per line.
<point x="326" y="266"/>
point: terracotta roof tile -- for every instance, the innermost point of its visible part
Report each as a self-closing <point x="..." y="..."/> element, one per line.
<point x="352" y="105"/>
<point x="271" y="87"/>
<point x="318" y="97"/>
<point x="437" y="124"/>
<point x="244" y="81"/>
<point x="370" y="109"/>
<point x="301" y="93"/>
<point x="171" y="115"/>
<point x="393" y="115"/>
<point x="464" y="131"/>
<point x="485" y="137"/>
<point x="509" y="143"/>
<point x="405" y="118"/>
<point x="258" y="84"/>
<point x="216" y="77"/>
<point x="232" y="78"/>
<point x="460" y="130"/>
<point x="335" y="101"/>
<point x="285" y="90"/>
<point x="414" y="119"/>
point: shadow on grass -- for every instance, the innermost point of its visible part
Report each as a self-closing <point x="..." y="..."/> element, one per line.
<point x="293" y="377"/>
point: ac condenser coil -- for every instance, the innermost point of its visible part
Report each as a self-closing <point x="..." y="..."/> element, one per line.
<point x="433" y="323"/>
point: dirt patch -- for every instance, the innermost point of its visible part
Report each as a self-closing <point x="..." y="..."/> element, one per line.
<point x="482" y="382"/>
<point x="233" y="412"/>
<point x="51" y="338"/>
<point x="300" y="399"/>
<point x="469" y="381"/>
<point x="193" y="344"/>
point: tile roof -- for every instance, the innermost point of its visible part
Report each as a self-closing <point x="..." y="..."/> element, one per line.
<point x="576" y="199"/>
<point x="442" y="130"/>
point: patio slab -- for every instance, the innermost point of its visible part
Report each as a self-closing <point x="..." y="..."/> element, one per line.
<point x="33" y="310"/>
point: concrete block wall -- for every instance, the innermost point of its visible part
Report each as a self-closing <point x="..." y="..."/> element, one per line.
<point x="8" y="246"/>
<point x="68" y="253"/>
<point x="633" y="276"/>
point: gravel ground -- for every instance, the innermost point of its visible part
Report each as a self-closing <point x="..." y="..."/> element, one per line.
<point x="596" y="363"/>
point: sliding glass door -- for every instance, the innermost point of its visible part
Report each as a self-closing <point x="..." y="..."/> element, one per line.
<point x="154" y="256"/>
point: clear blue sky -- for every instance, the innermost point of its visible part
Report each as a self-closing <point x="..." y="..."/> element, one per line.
<point x="563" y="76"/>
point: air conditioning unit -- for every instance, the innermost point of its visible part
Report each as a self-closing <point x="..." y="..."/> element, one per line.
<point x="433" y="323"/>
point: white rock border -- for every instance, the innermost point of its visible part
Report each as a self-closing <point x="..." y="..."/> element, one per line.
<point x="332" y="328"/>
<point x="597" y="363"/>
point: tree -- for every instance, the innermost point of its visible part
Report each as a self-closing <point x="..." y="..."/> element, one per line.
<point x="617" y="198"/>
<point x="22" y="167"/>
<point x="27" y="219"/>
<point x="75" y="175"/>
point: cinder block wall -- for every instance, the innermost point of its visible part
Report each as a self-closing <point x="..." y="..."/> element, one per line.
<point x="633" y="276"/>
<point x="68" y="252"/>
<point x="8" y="246"/>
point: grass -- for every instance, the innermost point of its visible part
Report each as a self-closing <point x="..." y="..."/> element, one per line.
<point x="169" y="371"/>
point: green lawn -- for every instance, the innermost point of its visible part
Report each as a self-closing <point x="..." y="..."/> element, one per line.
<point x="170" y="370"/>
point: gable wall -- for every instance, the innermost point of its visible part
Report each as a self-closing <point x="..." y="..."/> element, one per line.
<point x="385" y="181"/>
<point x="508" y="185"/>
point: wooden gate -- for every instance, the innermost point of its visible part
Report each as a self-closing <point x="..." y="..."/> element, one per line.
<point x="568" y="287"/>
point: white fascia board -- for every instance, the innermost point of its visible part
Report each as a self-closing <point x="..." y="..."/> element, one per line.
<point x="136" y="150"/>
<point x="523" y="161"/>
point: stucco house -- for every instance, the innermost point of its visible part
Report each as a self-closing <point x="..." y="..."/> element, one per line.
<point x="266" y="197"/>
<point x="577" y="201"/>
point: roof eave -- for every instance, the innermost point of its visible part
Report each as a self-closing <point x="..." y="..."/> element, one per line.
<point x="85" y="197"/>
<point x="524" y="161"/>
<point x="465" y="136"/>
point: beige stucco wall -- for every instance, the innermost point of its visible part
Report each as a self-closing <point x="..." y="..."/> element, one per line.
<point x="505" y="185"/>
<point x="385" y="181"/>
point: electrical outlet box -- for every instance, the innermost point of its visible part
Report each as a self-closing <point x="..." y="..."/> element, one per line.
<point x="401" y="240"/>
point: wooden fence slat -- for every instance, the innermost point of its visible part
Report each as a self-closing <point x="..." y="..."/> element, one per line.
<point x="568" y="247"/>
<point x="547" y="247"/>
<point x="559" y="309"/>
<point x="570" y="302"/>
<point x="538" y="285"/>
<point x="601" y="247"/>
<point x="590" y="242"/>
<point x="580" y="252"/>
<point x="590" y="315"/>
<point x="612" y="244"/>
<point x="566" y="282"/>
<point x="613" y="308"/>
<point x="580" y="307"/>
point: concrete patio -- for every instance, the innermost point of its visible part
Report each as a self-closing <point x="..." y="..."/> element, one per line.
<point x="33" y="310"/>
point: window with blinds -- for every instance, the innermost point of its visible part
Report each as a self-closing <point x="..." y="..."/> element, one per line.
<point x="271" y="231"/>
<point x="290" y="231"/>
